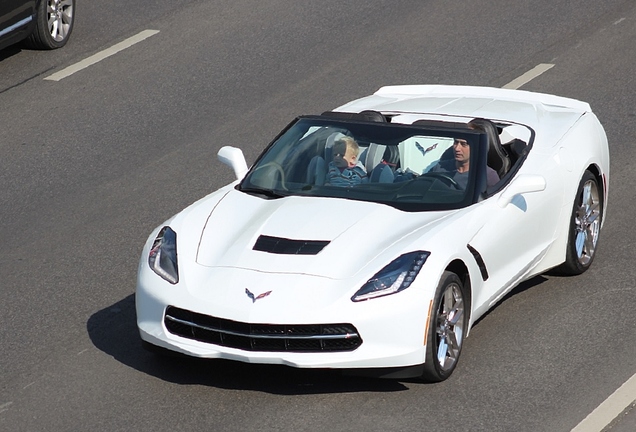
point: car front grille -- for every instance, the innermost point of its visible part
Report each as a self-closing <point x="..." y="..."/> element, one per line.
<point x="261" y="337"/>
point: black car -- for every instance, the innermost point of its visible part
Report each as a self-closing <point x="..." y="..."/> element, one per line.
<point x="41" y="24"/>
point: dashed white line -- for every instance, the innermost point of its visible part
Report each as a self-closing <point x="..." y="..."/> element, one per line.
<point x="101" y="55"/>
<point x="529" y="76"/>
<point x="5" y="407"/>
<point x="603" y="415"/>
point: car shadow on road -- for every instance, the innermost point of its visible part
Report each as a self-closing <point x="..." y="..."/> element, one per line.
<point x="113" y="330"/>
<point x="9" y="52"/>
<point x="522" y="287"/>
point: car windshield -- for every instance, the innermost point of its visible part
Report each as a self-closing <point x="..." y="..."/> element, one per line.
<point x="413" y="168"/>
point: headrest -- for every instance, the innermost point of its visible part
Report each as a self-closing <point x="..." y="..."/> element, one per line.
<point x="367" y="115"/>
<point x="331" y="139"/>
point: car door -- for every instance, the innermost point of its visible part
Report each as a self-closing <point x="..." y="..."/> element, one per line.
<point x="512" y="237"/>
<point x="14" y="15"/>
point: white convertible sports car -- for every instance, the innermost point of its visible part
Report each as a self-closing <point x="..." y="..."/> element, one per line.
<point x="372" y="237"/>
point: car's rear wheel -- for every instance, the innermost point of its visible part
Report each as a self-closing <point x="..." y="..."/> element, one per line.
<point x="585" y="227"/>
<point x="447" y="327"/>
<point x="54" y="24"/>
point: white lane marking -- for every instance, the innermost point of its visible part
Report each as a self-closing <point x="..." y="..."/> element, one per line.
<point x="101" y="55"/>
<point x="610" y="408"/>
<point x="619" y="21"/>
<point x="528" y="76"/>
<point x="5" y="407"/>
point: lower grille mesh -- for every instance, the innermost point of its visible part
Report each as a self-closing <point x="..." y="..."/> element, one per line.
<point x="261" y="337"/>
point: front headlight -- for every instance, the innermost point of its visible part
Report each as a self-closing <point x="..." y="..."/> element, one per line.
<point x="393" y="278"/>
<point x="163" y="255"/>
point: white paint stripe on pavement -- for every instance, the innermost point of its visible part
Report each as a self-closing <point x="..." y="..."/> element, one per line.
<point x="5" y="406"/>
<point x="101" y="55"/>
<point x="610" y="408"/>
<point x="528" y="76"/>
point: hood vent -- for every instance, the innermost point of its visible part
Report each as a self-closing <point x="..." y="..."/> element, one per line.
<point x="285" y="246"/>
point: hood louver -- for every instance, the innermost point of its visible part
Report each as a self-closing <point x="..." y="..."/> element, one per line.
<point x="283" y="246"/>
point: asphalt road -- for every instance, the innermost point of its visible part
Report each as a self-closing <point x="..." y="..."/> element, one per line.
<point x="90" y="164"/>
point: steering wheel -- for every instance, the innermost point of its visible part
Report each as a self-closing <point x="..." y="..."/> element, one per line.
<point x="444" y="177"/>
<point x="278" y="169"/>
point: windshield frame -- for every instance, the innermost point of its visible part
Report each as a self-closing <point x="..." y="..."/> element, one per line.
<point x="367" y="132"/>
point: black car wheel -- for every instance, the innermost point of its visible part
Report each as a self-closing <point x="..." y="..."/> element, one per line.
<point x="447" y="327"/>
<point x="54" y="24"/>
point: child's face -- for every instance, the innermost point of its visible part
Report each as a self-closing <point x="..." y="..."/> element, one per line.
<point x="351" y="156"/>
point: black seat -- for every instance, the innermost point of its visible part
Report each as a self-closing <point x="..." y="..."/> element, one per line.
<point x="498" y="159"/>
<point x="384" y="170"/>
<point x="366" y="115"/>
<point x="318" y="165"/>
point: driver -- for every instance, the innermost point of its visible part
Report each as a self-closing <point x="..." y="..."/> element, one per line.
<point x="457" y="168"/>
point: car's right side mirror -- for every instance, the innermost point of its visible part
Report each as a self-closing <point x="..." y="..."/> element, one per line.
<point x="525" y="183"/>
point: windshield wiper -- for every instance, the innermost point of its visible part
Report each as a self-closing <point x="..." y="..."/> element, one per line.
<point x="268" y="193"/>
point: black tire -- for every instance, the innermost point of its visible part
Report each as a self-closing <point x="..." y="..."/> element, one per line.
<point x="585" y="227"/>
<point x="62" y="16"/>
<point x="446" y="330"/>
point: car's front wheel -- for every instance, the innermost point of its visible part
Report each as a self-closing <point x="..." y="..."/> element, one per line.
<point x="54" y="24"/>
<point x="447" y="327"/>
<point x="585" y="227"/>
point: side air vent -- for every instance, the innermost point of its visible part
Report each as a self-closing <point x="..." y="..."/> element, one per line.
<point x="283" y="246"/>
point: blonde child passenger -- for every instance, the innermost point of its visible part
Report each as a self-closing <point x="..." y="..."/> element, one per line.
<point x="344" y="169"/>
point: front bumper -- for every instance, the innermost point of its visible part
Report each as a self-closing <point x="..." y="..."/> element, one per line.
<point x="391" y="330"/>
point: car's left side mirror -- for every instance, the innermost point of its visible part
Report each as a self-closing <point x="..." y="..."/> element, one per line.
<point x="234" y="158"/>
<point x="522" y="184"/>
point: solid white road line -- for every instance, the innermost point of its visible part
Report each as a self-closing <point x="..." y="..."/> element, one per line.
<point x="101" y="55"/>
<point x="610" y="408"/>
<point x="528" y="76"/>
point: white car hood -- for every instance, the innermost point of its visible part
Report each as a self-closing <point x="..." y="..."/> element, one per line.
<point x="357" y="232"/>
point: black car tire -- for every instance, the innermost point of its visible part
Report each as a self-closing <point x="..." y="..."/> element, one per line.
<point x="446" y="329"/>
<point x="62" y="15"/>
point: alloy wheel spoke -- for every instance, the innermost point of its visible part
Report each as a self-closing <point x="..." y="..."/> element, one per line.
<point x="449" y="300"/>
<point x="580" y="243"/>
<point x="442" y="351"/>
<point x="62" y="29"/>
<point x="456" y="314"/>
<point x="589" y="244"/>
<point x="67" y="17"/>
<point x="453" y="344"/>
<point x="593" y="213"/>
<point x="587" y="193"/>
